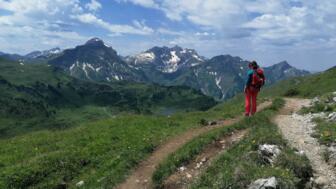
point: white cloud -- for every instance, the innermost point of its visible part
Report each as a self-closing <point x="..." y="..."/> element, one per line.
<point x="37" y="24"/>
<point x="93" y="5"/>
<point x="138" y="28"/>
<point x="270" y="29"/>
<point x="42" y="24"/>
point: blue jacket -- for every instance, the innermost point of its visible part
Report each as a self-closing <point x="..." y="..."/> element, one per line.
<point x="249" y="77"/>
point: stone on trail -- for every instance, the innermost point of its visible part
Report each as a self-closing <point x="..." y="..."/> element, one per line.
<point x="300" y="153"/>
<point x="188" y="175"/>
<point x="269" y="152"/>
<point x="80" y="183"/>
<point x="321" y="181"/>
<point x="182" y="168"/>
<point x="315" y="100"/>
<point x="268" y="183"/>
<point x="332" y="117"/>
<point x="332" y="154"/>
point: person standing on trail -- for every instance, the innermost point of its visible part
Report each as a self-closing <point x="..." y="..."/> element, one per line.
<point x="255" y="80"/>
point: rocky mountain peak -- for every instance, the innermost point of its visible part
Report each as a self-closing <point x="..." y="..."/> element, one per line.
<point x="95" y="42"/>
<point x="283" y="64"/>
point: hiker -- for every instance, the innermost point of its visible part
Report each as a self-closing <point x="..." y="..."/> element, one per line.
<point x="255" y="80"/>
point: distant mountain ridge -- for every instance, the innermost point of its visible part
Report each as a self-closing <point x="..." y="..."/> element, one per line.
<point x="46" y="53"/>
<point x="96" y="61"/>
<point x="33" y="57"/>
<point x="167" y="60"/>
<point x="221" y="77"/>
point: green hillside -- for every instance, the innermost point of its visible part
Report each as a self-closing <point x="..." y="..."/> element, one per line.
<point x="308" y="86"/>
<point x="100" y="152"/>
<point x="41" y="96"/>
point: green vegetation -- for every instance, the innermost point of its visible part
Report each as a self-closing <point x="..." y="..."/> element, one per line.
<point x="326" y="131"/>
<point x="308" y="86"/>
<point x="241" y="164"/>
<point x="99" y="152"/>
<point x="39" y="96"/>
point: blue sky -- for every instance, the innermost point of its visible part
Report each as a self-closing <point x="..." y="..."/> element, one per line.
<point x="303" y="32"/>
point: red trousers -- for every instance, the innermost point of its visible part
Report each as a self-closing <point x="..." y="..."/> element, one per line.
<point x="251" y="100"/>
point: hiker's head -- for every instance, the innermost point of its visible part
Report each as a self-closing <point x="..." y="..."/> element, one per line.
<point x="253" y="65"/>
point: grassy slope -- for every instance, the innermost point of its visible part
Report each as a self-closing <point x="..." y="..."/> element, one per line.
<point x="101" y="153"/>
<point x="308" y="86"/>
<point x="39" y="96"/>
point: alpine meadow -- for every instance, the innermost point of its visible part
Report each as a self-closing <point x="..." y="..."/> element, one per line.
<point x="162" y="94"/>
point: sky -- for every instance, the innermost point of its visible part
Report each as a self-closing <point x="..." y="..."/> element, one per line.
<point x="303" y="32"/>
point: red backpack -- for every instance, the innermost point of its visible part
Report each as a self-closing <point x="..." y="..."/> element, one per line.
<point x="258" y="78"/>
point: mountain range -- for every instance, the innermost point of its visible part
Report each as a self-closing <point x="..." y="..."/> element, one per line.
<point x="220" y="77"/>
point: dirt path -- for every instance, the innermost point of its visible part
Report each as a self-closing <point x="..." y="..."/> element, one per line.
<point x="187" y="174"/>
<point x="297" y="130"/>
<point x="141" y="176"/>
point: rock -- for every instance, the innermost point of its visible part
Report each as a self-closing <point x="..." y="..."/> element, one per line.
<point x="269" y="152"/>
<point x="198" y="165"/>
<point x="334" y="99"/>
<point x="317" y="115"/>
<point x="182" y="168"/>
<point x="188" y="175"/>
<point x="300" y="153"/>
<point x="332" y="117"/>
<point x="334" y="93"/>
<point x="268" y="183"/>
<point x="309" y="184"/>
<point x="332" y="155"/>
<point x="204" y="159"/>
<point x="80" y="183"/>
<point x="315" y="100"/>
<point x="321" y="181"/>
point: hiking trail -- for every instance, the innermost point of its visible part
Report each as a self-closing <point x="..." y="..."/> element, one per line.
<point x="141" y="176"/>
<point x="188" y="173"/>
<point x="298" y="133"/>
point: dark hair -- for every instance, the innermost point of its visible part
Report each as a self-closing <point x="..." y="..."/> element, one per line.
<point x="254" y="64"/>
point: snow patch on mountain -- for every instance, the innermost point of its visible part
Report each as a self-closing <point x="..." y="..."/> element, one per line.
<point x="72" y="67"/>
<point x="144" y="57"/>
<point x="174" y="58"/>
<point x="172" y="64"/>
<point x="84" y="66"/>
<point x="98" y="69"/>
<point x="218" y="81"/>
<point x="197" y="57"/>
